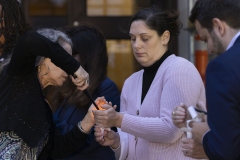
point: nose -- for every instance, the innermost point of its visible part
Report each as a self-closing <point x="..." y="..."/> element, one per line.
<point x="137" y="44"/>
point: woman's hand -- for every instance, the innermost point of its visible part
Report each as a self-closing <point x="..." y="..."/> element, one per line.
<point x="108" y="117"/>
<point x="107" y="138"/>
<point x="99" y="101"/>
<point x="82" y="79"/>
<point x="88" y="121"/>
<point x="180" y="115"/>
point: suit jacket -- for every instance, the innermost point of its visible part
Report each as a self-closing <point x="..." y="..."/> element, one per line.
<point x="67" y="116"/>
<point x="223" y="102"/>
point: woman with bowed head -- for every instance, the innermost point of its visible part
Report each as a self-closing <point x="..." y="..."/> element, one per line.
<point x="27" y="130"/>
<point x="145" y="126"/>
<point x="89" y="48"/>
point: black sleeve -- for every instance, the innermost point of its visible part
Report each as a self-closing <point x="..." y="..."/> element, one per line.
<point x="30" y="45"/>
<point x="64" y="145"/>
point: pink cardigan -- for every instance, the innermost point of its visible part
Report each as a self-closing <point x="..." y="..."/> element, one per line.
<point x="151" y="135"/>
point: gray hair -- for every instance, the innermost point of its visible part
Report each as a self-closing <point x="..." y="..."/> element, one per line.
<point x="54" y="36"/>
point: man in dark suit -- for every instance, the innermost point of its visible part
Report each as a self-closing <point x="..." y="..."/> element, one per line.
<point x="218" y="24"/>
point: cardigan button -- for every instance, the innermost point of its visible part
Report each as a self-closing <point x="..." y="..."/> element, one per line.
<point x="137" y="112"/>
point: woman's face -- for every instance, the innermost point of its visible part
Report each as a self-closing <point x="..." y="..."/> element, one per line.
<point x="56" y="75"/>
<point x="147" y="45"/>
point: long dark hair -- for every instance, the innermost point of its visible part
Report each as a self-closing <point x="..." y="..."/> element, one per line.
<point x="90" y="44"/>
<point x="15" y="24"/>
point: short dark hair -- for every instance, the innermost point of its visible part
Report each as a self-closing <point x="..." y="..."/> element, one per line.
<point x="15" y="24"/>
<point x="226" y="10"/>
<point x="159" y="20"/>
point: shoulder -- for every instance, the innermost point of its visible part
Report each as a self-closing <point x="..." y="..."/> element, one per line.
<point x="134" y="77"/>
<point x="108" y="83"/>
<point x="221" y="68"/>
<point x="107" y="87"/>
<point x="230" y="58"/>
<point x="175" y="65"/>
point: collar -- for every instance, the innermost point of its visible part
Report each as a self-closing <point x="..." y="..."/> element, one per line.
<point x="155" y="66"/>
<point x="233" y="40"/>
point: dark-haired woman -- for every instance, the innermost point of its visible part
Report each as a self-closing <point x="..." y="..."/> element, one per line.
<point x="149" y="95"/>
<point x="89" y="48"/>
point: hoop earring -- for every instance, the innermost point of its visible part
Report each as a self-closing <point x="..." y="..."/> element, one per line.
<point x="39" y="70"/>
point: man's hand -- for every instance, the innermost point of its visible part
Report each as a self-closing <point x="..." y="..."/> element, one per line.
<point x="191" y="148"/>
<point x="199" y="129"/>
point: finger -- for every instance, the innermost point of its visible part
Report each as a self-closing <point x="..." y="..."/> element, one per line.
<point x="187" y="140"/>
<point x="115" y="107"/>
<point x="176" y="117"/>
<point x="96" y="128"/>
<point x="100" y="99"/>
<point x="184" y="106"/>
<point x="180" y="112"/>
<point x="98" y="134"/>
<point x="180" y="108"/>
<point x="97" y="114"/>
<point x="99" y="139"/>
<point x="106" y="106"/>
<point x="102" y="142"/>
<point x="107" y="129"/>
<point x="178" y="120"/>
<point x="192" y="123"/>
<point x="83" y="87"/>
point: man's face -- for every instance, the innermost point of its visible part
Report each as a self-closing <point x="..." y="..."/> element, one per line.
<point x="214" y="44"/>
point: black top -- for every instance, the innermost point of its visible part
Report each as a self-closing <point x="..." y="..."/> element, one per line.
<point x="23" y="109"/>
<point x="150" y="72"/>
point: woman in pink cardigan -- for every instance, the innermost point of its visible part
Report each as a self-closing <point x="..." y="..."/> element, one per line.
<point x="146" y="130"/>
